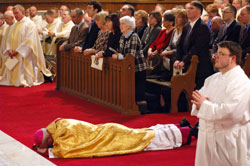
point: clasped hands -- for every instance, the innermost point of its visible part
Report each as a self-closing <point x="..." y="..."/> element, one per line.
<point x="51" y="34"/>
<point x="179" y="65"/>
<point x="198" y="99"/>
<point x="12" y="53"/>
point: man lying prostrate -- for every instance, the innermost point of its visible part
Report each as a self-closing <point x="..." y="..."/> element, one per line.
<point x="68" y="138"/>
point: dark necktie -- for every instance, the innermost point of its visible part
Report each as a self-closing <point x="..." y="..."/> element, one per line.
<point x="186" y="41"/>
<point x="91" y="24"/>
<point x="243" y="35"/>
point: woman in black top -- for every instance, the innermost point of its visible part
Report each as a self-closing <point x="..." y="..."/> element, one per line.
<point x="113" y="24"/>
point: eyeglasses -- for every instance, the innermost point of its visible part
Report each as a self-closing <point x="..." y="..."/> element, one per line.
<point x="225" y="12"/>
<point x="220" y="54"/>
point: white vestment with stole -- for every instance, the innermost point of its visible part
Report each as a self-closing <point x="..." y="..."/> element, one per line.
<point x="23" y="38"/>
<point x="224" y="120"/>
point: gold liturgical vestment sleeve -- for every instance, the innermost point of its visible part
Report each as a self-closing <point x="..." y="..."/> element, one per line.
<point x="78" y="139"/>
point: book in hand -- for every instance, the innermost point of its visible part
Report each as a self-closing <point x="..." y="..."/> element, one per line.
<point x="11" y="63"/>
<point x="96" y="64"/>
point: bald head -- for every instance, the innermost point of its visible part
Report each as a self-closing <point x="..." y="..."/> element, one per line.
<point x="216" y="23"/>
<point x="9" y="17"/>
<point x="10" y="8"/>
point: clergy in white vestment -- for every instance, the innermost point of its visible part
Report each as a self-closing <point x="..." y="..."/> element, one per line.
<point x="37" y="19"/>
<point x="222" y="106"/>
<point x="10" y="21"/>
<point x="52" y="26"/>
<point x="55" y="14"/>
<point x="3" y="27"/>
<point x="62" y="33"/>
<point x="22" y="53"/>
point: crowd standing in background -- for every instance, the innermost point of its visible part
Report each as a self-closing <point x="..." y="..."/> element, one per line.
<point x="171" y="37"/>
<point x="219" y="35"/>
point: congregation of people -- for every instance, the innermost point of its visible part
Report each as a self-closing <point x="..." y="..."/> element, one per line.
<point x="163" y="43"/>
<point x="165" y="38"/>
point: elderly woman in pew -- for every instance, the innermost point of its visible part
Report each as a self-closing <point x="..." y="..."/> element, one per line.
<point x="130" y="44"/>
<point x="102" y="38"/>
<point x="113" y="25"/>
<point x="151" y="32"/>
<point x="169" y="54"/>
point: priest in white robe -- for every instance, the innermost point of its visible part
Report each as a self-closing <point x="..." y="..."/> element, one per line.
<point x="22" y="48"/>
<point x="3" y="27"/>
<point x="37" y="19"/>
<point x="222" y="106"/>
<point x="51" y="27"/>
<point x="62" y="32"/>
<point x="58" y="37"/>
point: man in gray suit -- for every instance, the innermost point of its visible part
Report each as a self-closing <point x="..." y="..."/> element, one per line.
<point x="78" y="32"/>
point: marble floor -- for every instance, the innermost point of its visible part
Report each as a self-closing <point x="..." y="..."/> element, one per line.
<point x="14" y="153"/>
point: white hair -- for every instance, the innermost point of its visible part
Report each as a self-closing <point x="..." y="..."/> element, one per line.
<point x="9" y="13"/>
<point x="130" y="21"/>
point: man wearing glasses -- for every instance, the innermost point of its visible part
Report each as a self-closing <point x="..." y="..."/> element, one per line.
<point x="222" y="106"/>
<point x="230" y="30"/>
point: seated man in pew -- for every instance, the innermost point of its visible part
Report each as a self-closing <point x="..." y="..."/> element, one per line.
<point x="69" y="138"/>
<point x="78" y="32"/>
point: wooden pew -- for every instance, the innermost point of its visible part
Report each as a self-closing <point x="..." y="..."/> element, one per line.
<point x="179" y="83"/>
<point x="246" y="66"/>
<point x="113" y="87"/>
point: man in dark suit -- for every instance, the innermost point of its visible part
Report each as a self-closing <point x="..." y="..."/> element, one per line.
<point x="93" y="8"/>
<point x="245" y="34"/>
<point x="195" y="40"/>
<point x="78" y="32"/>
<point x="216" y="24"/>
<point x="231" y="29"/>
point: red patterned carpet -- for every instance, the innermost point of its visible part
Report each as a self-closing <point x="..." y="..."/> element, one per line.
<point x="24" y="110"/>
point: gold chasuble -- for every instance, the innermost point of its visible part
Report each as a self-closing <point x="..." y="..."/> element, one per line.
<point x="23" y="38"/>
<point x="79" y="139"/>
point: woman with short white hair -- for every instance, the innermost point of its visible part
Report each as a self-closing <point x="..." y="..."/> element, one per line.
<point x="131" y="44"/>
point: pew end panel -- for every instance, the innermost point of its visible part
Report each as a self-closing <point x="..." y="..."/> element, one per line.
<point x="113" y="87"/>
<point x="246" y="66"/>
<point x="180" y="83"/>
<point x="185" y="83"/>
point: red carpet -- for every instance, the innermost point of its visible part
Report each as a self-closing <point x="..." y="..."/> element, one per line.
<point x="24" y="110"/>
